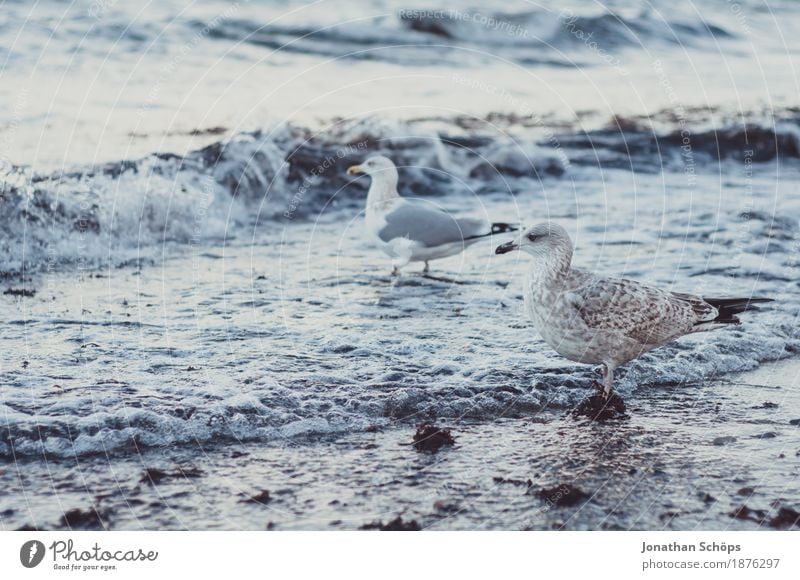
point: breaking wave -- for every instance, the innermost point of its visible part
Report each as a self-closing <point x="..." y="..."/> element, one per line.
<point x="113" y="213"/>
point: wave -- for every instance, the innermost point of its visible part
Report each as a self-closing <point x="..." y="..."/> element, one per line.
<point x="425" y="36"/>
<point x="113" y="416"/>
<point x="112" y="383"/>
<point x="634" y="143"/>
<point x="113" y="213"/>
<point x="616" y="31"/>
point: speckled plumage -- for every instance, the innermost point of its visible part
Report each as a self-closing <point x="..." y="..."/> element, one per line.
<point x="594" y="319"/>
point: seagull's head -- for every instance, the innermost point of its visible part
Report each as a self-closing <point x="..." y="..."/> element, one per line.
<point x="543" y="239"/>
<point x="374" y="166"/>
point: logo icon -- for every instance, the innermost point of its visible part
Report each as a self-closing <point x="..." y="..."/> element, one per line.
<point x="31" y="553"/>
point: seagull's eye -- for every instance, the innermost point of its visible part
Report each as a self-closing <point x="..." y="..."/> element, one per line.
<point x="533" y="237"/>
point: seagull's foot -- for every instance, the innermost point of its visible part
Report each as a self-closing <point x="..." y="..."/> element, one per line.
<point x="601" y="390"/>
<point x="395" y="271"/>
<point x="602" y="406"/>
<point x="427" y="268"/>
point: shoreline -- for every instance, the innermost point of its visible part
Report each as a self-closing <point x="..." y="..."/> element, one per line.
<point x="688" y="459"/>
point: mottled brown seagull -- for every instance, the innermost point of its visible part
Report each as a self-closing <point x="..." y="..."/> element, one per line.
<point x="593" y="319"/>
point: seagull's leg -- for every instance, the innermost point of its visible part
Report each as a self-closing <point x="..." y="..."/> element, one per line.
<point x="396" y="271"/>
<point x="427" y="268"/>
<point x="597" y="384"/>
<point x="608" y="381"/>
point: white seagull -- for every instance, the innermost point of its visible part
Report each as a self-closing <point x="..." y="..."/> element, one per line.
<point x="412" y="230"/>
<point x="592" y="319"/>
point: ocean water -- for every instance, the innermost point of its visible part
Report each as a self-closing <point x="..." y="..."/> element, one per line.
<point x="187" y="285"/>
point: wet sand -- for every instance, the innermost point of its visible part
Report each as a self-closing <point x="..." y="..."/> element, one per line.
<point x="684" y="459"/>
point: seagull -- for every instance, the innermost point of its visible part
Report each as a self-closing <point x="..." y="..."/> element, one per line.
<point x="593" y="319"/>
<point x="413" y="230"/>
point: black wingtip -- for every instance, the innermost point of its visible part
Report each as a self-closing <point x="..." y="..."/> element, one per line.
<point x="504" y="228"/>
<point x="728" y="308"/>
<point x="497" y="228"/>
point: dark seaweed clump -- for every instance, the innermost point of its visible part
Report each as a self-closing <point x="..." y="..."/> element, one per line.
<point x="261" y="497"/>
<point x="563" y="495"/>
<point x="429" y="439"/>
<point x="597" y="408"/>
<point x="20" y="292"/>
<point x="396" y="525"/>
<point x="785" y="518"/>
<point x="154" y="475"/>
<point x="77" y="518"/>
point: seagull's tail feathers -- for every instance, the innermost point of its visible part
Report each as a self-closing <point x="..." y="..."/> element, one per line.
<point x="728" y="308"/>
<point x="496" y="228"/>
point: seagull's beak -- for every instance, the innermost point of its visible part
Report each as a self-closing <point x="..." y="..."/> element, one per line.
<point x="506" y="248"/>
<point x="354" y="170"/>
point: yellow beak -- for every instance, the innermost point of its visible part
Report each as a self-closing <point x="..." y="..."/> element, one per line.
<point x="354" y="170"/>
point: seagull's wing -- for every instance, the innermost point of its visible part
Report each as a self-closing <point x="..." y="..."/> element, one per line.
<point x="427" y="225"/>
<point x="703" y="311"/>
<point x="643" y="313"/>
